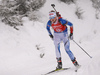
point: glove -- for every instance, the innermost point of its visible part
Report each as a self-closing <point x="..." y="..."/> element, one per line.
<point x="51" y="36"/>
<point x="71" y="36"/>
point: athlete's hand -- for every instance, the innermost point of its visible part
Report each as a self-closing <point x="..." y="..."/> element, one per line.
<point x="71" y="36"/>
<point x="51" y="36"/>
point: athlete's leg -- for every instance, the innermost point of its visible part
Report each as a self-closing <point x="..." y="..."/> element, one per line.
<point x="69" y="52"/>
<point x="57" y="50"/>
<point x="57" y="45"/>
<point x="67" y="46"/>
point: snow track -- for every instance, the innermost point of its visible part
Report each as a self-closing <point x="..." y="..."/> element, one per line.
<point x="20" y="50"/>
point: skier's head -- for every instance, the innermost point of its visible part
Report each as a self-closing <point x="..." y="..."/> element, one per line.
<point x="52" y="16"/>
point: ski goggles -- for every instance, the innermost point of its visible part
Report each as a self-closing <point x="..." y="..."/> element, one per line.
<point x="51" y="17"/>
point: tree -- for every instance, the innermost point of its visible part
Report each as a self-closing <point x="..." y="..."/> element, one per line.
<point x="68" y="1"/>
<point x="10" y="9"/>
<point x="79" y="13"/>
<point x="96" y="5"/>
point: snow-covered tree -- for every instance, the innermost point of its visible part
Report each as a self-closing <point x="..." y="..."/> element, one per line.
<point x="10" y="8"/>
<point x="96" y="5"/>
<point x="79" y="13"/>
<point x="68" y="1"/>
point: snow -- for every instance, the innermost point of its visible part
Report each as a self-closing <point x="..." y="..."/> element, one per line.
<point x="19" y="54"/>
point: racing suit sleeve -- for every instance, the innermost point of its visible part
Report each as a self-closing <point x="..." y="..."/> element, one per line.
<point x="48" y="27"/>
<point x="65" y="22"/>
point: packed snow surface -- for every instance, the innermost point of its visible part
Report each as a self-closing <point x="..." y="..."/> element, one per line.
<point x="20" y="51"/>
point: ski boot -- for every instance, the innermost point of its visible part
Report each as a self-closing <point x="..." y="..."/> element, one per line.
<point x="59" y="66"/>
<point x="75" y="62"/>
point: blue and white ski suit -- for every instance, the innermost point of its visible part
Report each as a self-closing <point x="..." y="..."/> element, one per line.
<point x="60" y="34"/>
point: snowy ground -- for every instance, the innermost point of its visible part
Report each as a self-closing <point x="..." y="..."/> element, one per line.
<point x="18" y="49"/>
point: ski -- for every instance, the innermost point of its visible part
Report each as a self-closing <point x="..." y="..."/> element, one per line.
<point x="56" y="70"/>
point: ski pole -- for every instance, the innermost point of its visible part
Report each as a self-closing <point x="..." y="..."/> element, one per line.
<point x="53" y="5"/>
<point x="82" y="49"/>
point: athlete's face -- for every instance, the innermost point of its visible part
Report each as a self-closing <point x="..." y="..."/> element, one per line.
<point x="54" y="19"/>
